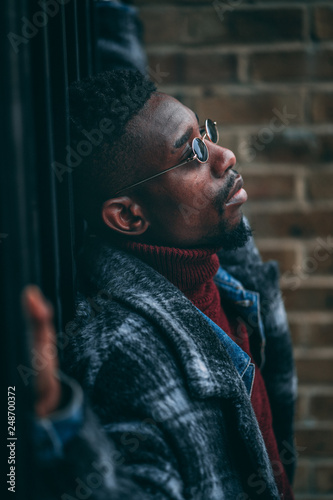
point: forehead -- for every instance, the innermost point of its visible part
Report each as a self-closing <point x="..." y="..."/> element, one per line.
<point x="159" y="124"/>
<point x="165" y="111"/>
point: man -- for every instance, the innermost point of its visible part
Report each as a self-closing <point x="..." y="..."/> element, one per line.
<point x="190" y="373"/>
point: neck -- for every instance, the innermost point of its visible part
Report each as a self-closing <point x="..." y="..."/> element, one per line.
<point x="187" y="269"/>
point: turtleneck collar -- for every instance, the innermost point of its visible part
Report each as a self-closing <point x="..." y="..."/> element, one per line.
<point x="187" y="269"/>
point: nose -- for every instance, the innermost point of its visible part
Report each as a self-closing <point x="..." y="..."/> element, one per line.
<point x="221" y="160"/>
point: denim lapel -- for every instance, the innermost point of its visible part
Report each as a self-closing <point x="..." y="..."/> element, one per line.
<point x="240" y="359"/>
<point x="247" y="305"/>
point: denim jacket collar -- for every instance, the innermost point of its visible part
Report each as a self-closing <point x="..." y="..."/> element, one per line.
<point x="240" y="359"/>
<point x="247" y="305"/>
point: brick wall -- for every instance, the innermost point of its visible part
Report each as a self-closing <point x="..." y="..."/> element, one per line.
<point x="264" y="71"/>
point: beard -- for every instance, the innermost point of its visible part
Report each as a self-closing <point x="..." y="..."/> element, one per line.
<point x="227" y="236"/>
<point x="235" y="237"/>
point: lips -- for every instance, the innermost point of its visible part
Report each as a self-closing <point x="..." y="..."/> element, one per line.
<point x="237" y="194"/>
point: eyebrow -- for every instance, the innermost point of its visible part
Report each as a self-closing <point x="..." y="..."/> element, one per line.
<point x="183" y="139"/>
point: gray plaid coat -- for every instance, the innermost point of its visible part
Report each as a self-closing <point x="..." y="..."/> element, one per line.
<point x="165" y="389"/>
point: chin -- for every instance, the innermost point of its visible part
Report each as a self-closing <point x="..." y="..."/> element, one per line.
<point x="235" y="235"/>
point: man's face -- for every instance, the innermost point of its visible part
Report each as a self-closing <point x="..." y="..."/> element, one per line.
<point x="197" y="204"/>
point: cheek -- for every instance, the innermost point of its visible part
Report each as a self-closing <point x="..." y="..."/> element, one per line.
<point x="197" y="213"/>
<point x="199" y="199"/>
<point x="183" y="206"/>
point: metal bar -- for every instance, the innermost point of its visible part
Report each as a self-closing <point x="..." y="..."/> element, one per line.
<point x="58" y="81"/>
<point x="72" y="41"/>
<point x="44" y="141"/>
<point x="19" y="232"/>
<point x="84" y="19"/>
<point x="37" y="223"/>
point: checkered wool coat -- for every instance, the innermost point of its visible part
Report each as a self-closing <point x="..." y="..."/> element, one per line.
<point x="165" y="389"/>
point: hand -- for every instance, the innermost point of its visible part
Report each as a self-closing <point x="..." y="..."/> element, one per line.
<point x="39" y="316"/>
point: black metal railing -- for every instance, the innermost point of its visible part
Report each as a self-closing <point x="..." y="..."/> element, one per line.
<point x="45" y="45"/>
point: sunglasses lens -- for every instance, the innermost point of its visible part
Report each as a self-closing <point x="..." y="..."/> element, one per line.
<point x="212" y="131"/>
<point x="200" y="149"/>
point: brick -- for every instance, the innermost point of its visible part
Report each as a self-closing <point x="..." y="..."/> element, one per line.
<point x="317" y="442"/>
<point x="228" y="140"/>
<point x="317" y="260"/>
<point x="175" y="2"/>
<point x="317" y="335"/>
<point x="324" y="267"/>
<point x="322" y="107"/>
<point x="313" y="299"/>
<point x="189" y="2"/>
<point x="298" y="334"/>
<point x="301" y="480"/>
<point x="319" y="185"/>
<point x="167" y="25"/>
<point x="295" y="223"/>
<point x="268" y="25"/>
<point x="321" y="406"/>
<point x="313" y="496"/>
<point x="292" y="66"/>
<point x="196" y="68"/>
<point x="232" y="3"/>
<point x="320" y="335"/>
<point x="267" y="108"/>
<point x="290" y="145"/>
<point x="315" y="371"/>
<point x="182" y="25"/>
<point x="269" y="187"/>
<point x="319" y="257"/>
<point x="285" y="257"/>
<point x="323" y="23"/>
<point x="323" y="478"/>
<point x="164" y="68"/>
<point x="311" y="334"/>
<point x="300" y="408"/>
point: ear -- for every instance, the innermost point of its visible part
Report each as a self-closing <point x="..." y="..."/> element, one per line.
<point x="124" y="216"/>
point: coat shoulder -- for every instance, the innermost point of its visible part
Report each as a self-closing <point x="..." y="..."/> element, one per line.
<point x="115" y="350"/>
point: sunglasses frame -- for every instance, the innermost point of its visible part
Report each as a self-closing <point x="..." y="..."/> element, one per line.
<point x="195" y="157"/>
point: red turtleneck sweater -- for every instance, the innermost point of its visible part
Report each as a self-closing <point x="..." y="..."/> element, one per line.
<point x="192" y="271"/>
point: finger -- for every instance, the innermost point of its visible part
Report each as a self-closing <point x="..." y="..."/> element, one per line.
<point x="39" y="316"/>
<point x="37" y="310"/>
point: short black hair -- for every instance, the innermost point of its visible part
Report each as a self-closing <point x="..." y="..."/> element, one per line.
<point x="100" y="108"/>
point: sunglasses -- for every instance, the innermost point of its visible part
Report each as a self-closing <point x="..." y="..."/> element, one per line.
<point x="199" y="149"/>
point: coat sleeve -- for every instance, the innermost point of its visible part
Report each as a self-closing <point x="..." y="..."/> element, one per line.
<point x="76" y="458"/>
